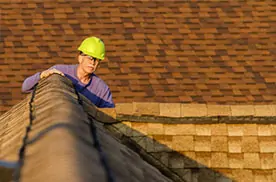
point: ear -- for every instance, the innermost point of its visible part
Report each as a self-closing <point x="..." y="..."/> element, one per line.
<point x="80" y="59"/>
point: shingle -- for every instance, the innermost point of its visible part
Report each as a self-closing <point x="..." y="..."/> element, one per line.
<point x="65" y="111"/>
<point x="224" y="35"/>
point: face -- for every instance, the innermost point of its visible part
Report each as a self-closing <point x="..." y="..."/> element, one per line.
<point x="88" y="63"/>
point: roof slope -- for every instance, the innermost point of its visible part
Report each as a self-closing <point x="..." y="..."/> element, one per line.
<point x="213" y="51"/>
<point x="62" y="144"/>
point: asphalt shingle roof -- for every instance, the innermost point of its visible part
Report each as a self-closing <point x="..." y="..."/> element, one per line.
<point x="220" y="52"/>
<point x="61" y="144"/>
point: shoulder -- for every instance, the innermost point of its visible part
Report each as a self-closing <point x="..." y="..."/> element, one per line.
<point x="67" y="69"/>
<point x="63" y="66"/>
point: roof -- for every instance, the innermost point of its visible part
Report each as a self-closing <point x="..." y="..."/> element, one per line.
<point x="63" y="143"/>
<point x="214" y="52"/>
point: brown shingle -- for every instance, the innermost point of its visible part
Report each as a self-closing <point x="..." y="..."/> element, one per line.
<point x="227" y="43"/>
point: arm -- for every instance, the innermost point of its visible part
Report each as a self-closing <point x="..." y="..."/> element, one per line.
<point x="106" y="100"/>
<point x="30" y="82"/>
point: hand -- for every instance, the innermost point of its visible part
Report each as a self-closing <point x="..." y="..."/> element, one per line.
<point x="49" y="72"/>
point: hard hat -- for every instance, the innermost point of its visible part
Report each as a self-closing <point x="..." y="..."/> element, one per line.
<point x="93" y="46"/>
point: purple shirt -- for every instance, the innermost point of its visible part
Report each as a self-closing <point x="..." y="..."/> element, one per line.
<point x="96" y="90"/>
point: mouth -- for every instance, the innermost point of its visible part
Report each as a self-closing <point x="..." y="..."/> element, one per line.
<point x="91" y="67"/>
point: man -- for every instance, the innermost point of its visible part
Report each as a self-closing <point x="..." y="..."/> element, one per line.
<point x="92" y="52"/>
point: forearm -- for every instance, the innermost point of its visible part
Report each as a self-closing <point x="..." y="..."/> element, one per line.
<point x="30" y="82"/>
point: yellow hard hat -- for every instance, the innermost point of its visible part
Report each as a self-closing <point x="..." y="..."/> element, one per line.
<point x="93" y="46"/>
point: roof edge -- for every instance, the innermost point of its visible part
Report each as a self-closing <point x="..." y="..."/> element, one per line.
<point x="179" y="112"/>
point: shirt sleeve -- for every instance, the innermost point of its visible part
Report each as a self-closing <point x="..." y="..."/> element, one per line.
<point x="107" y="101"/>
<point x="30" y="82"/>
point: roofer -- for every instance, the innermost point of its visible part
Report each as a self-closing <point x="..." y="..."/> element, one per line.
<point x="92" y="52"/>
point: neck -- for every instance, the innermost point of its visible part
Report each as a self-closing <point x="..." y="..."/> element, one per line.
<point x="83" y="76"/>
